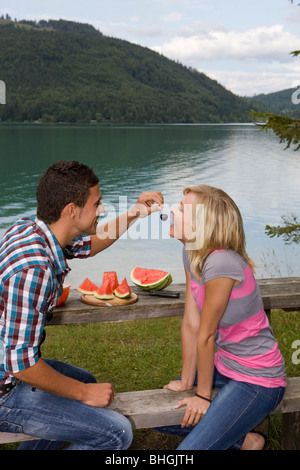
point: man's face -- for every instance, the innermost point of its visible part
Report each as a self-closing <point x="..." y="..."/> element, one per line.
<point x="88" y="215"/>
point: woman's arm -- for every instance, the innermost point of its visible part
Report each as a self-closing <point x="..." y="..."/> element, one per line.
<point x="189" y="335"/>
<point x="217" y="293"/>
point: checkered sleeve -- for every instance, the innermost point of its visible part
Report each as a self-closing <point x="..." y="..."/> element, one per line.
<point x="26" y="296"/>
<point x="80" y="247"/>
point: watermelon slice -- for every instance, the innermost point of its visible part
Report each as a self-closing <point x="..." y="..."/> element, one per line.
<point x="123" y="290"/>
<point x="150" y="279"/>
<point x="112" y="277"/>
<point x="87" y="287"/>
<point x="105" y="291"/>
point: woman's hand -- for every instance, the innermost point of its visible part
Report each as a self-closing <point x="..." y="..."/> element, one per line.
<point x="195" y="410"/>
<point x="177" y="386"/>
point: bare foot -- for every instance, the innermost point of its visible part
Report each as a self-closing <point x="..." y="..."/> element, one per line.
<point x="253" y="441"/>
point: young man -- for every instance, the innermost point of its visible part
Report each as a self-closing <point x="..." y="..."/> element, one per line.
<point x="54" y="401"/>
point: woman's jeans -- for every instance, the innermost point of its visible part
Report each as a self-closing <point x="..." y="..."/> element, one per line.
<point x="236" y="409"/>
<point x="56" y="420"/>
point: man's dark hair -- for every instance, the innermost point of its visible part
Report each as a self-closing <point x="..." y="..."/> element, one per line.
<point x="63" y="183"/>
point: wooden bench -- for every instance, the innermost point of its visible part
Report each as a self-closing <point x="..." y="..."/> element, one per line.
<point x="155" y="408"/>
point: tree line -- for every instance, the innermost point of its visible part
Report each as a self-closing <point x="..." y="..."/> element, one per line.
<point x="61" y="71"/>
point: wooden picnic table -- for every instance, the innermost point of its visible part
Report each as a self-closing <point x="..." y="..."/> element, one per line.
<point x="277" y="293"/>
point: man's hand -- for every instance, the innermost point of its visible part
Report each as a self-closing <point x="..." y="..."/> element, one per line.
<point x="99" y="394"/>
<point x="145" y="205"/>
<point x="107" y="234"/>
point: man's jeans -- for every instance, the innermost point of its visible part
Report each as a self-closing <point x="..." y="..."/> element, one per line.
<point x="236" y="410"/>
<point x="56" y="420"/>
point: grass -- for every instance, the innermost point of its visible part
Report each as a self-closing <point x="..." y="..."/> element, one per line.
<point x="146" y="354"/>
<point x="133" y="355"/>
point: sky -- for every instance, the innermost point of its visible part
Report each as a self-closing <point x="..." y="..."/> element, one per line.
<point x="243" y="44"/>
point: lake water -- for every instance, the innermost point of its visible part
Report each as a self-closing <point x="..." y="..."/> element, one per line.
<point x="251" y="166"/>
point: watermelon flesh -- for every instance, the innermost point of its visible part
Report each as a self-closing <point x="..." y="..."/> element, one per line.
<point x="104" y="292"/>
<point x="150" y="279"/>
<point x="87" y="287"/>
<point x="112" y="277"/>
<point x="123" y="290"/>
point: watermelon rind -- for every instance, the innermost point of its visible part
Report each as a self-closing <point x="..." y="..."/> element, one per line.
<point x="118" y="291"/>
<point x="102" y="293"/>
<point x="103" y="296"/>
<point x="165" y="284"/>
<point x="159" y="285"/>
<point x="122" y="296"/>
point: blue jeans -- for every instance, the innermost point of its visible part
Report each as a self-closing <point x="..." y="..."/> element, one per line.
<point x="236" y="409"/>
<point x="56" y="420"/>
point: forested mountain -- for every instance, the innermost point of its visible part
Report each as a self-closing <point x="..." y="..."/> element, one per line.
<point x="285" y="102"/>
<point x="61" y="71"/>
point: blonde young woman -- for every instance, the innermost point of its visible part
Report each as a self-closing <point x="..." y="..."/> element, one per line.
<point x="223" y="311"/>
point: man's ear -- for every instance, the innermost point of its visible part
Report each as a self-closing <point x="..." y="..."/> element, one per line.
<point x="70" y="210"/>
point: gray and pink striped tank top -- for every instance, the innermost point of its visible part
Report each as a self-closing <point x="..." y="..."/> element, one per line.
<point x="246" y="348"/>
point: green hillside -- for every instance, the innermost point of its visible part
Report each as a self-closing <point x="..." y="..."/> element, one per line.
<point x="61" y="71"/>
<point x="280" y="102"/>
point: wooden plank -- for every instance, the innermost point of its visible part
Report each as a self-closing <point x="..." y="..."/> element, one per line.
<point x="74" y="311"/>
<point x="151" y="408"/>
<point x="154" y="408"/>
<point x="284" y="301"/>
<point x="291" y="431"/>
<point x="276" y="293"/>
<point x="291" y="400"/>
<point x="8" y="437"/>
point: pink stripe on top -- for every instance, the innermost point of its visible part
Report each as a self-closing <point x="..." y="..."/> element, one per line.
<point x="272" y="358"/>
<point x="243" y="329"/>
<point x="248" y="286"/>
<point x="198" y="292"/>
<point x="271" y="382"/>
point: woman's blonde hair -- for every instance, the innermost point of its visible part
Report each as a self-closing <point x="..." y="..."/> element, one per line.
<point x="223" y="226"/>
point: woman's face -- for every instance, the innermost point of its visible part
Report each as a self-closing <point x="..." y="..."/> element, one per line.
<point x="182" y="228"/>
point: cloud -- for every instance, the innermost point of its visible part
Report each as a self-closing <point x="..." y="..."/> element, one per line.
<point x="244" y="83"/>
<point x="200" y="29"/>
<point x="172" y="17"/>
<point x="143" y="31"/>
<point x="265" y="44"/>
<point x="135" y="19"/>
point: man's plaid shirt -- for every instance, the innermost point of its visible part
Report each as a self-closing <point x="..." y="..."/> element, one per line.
<point x="33" y="267"/>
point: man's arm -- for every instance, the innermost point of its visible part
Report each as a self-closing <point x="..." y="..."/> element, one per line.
<point x="44" y="377"/>
<point x="107" y="234"/>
